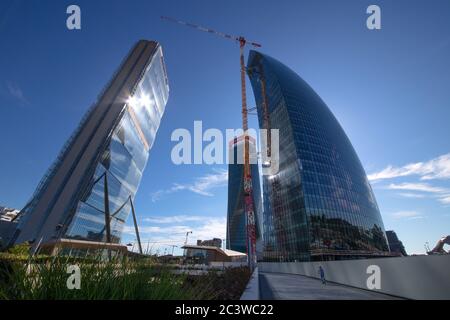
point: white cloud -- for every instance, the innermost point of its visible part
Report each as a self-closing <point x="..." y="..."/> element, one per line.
<point x="445" y="199"/>
<point x="201" y="185"/>
<point x="407" y="215"/>
<point x="411" y="195"/>
<point x="152" y="230"/>
<point x="161" y="239"/>
<point x="437" y="168"/>
<point x="16" y="92"/>
<point x="423" y="187"/>
<point x="173" y="219"/>
<point x="208" y="228"/>
<point x="212" y="228"/>
<point x="442" y="194"/>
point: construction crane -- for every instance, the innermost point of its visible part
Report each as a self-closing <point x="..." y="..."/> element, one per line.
<point x="248" y="188"/>
<point x="173" y="247"/>
<point x="187" y="235"/>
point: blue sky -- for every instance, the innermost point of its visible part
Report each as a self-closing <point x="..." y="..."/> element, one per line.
<point x="390" y="90"/>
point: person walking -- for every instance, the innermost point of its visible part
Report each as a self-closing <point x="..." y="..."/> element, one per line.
<point x="322" y="275"/>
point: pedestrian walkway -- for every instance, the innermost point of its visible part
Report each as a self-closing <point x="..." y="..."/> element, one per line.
<point x="281" y="286"/>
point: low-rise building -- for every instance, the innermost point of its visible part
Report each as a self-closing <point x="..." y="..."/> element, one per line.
<point x="215" y="242"/>
<point x="7" y="225"/>
<point x="8" y="214"/>
<point x="207" y="254"/>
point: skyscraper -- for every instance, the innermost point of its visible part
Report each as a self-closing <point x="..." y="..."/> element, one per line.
<point x="395" y="245"/>
<point x="236" y="238"/>
<point x="319" y="205"/>
<point x="87" y="193"/>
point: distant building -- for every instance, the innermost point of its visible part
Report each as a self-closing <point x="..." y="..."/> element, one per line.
<point x="236" y="219"/>
<point x="395" y="245"/>
<point x="168" y="258"/>
<point x="87" y="193"/>
<point x="7" y="226"/>
<point x="216" y="242"/>
<point x="8" y="214"/>
<point x="207" y="254"/>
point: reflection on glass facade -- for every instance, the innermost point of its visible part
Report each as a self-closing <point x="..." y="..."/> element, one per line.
<point x="320" y="204"/>
<point x="124" y="159"/>
<point x="108" y="151"/>
<point x="236" y="220"/>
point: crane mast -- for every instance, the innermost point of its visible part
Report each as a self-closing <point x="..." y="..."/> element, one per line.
<point x="248" y="187"/>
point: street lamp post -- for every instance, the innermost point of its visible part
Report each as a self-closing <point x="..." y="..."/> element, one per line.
<point x="173" y="247"/>
<point x="187" y="234"/>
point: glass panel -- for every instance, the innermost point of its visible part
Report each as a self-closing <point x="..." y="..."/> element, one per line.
<point x="89" y="224"/>
<point x="128" y="135"/>
<point x="120" y="163"/>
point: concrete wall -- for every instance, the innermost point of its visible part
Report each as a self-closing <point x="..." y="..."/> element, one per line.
<point x="417" y="277"/>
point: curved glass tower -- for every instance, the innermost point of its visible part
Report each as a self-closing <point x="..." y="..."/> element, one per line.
<point x="87" y="194"/>
<point x="236" y="220"/>
<point x="320" y="205"/>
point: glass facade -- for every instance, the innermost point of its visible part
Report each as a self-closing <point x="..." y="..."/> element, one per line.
<point x="123" y="160"/>
<point x="96" y="175"/>
<point x="236" y="220"/>
<point x="320" y="205"/>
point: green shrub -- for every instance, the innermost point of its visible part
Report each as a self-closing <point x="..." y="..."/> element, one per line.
<point x="118" y="279"/>
<point x="22" y="249"/>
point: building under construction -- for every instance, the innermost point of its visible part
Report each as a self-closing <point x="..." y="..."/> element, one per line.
<point x="236" y="237"/>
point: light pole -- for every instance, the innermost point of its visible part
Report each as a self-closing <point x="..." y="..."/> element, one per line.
<point x="187" y="234"/>
<point x="185" y="242"/>
<point x="173" y="247"/>
<point x="132" y="245"/>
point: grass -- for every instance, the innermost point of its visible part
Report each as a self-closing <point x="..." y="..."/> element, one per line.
<point x="44" y="277"/>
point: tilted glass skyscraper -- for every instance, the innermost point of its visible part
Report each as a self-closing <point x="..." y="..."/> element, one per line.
<point x="320" y="204"/>
<point x="97" y="174"/>
<point x="236" y="238"/>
